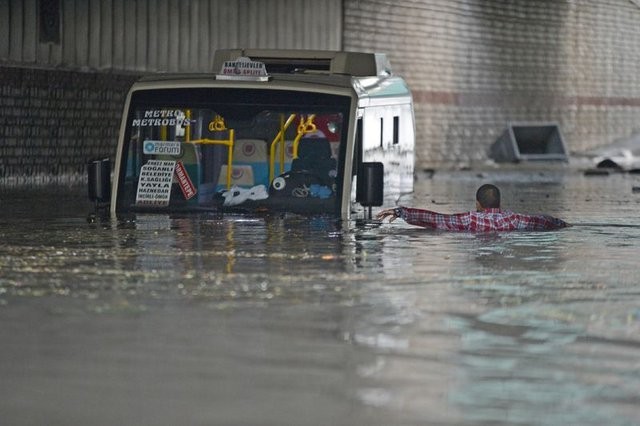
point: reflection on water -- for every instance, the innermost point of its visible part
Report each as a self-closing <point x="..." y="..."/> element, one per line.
<point x="288" y="320"/>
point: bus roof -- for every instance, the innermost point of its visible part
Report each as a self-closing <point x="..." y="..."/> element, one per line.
<point x="367" y="74"/>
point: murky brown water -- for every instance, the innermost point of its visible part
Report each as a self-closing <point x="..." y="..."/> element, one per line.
<point x="201" y="320"/>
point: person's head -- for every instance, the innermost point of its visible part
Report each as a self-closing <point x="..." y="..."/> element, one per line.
<point x="488" y="197"/>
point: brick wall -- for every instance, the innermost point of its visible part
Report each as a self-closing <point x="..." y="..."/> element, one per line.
<point x="474" y="65"/>
<point x="53" y="122"/>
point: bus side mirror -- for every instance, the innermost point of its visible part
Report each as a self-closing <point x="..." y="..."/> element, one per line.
<point x="99" y="180"/>
<point x="370" y="185"/>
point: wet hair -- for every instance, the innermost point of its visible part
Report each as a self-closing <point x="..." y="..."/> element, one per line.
<point x="488" y="196"/>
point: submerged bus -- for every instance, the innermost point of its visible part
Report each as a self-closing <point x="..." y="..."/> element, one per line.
<point x="309" y="132"/>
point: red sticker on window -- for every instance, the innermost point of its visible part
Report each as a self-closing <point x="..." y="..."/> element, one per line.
<point x="188" y="190"/>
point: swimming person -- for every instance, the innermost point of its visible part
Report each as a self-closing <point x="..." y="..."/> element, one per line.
<point x="487" y="217"/>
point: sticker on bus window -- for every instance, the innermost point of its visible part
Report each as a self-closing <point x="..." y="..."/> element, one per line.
<point x="161" y="147"/>
<point x="154" y="185"/>
<point x="162" y="117"/>
<point x="184" y="181"/>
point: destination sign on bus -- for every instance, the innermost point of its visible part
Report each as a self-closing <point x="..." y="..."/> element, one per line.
<point x="243" y="68"/>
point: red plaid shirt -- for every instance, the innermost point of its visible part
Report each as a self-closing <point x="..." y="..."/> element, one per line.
<point x="487" y="220"/>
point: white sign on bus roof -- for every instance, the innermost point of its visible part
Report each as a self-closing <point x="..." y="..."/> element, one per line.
<point x="243" y="68"/>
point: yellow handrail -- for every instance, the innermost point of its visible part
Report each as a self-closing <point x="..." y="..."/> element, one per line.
<point x="304" y="127"/>
<point x="187" y="128"/>
<point x="217" y="125"/>
<point x="229" y="143"/>
<point x="272" y="148"/>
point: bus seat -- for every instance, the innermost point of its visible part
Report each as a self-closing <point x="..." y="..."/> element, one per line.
<point x="253" y="152"/>
<point x="241" y="175"/>
<point x="314" y="156"/>
<point x="250" y="165"/>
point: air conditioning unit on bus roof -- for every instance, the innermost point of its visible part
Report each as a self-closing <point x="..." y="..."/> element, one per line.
<point x="356" y="64"/>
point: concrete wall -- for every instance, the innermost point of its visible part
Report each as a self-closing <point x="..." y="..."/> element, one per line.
<point x="159" y="35"/>
<point x="474" y="65"/>
<point x="61" y="97"/>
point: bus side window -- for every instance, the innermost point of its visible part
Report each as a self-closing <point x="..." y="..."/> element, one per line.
<point x="357" y="149"/>
<point x="396" y="129"/>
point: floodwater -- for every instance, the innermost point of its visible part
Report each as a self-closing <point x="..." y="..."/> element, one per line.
<point x="203" y="320"/>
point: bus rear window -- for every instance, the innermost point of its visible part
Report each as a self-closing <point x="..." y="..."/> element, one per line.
<point x="234" y="150"/>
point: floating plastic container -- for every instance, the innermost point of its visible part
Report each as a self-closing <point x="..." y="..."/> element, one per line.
<point x="530" y="142"/>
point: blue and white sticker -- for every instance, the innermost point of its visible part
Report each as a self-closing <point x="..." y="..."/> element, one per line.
<point x="161" y="147"/>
